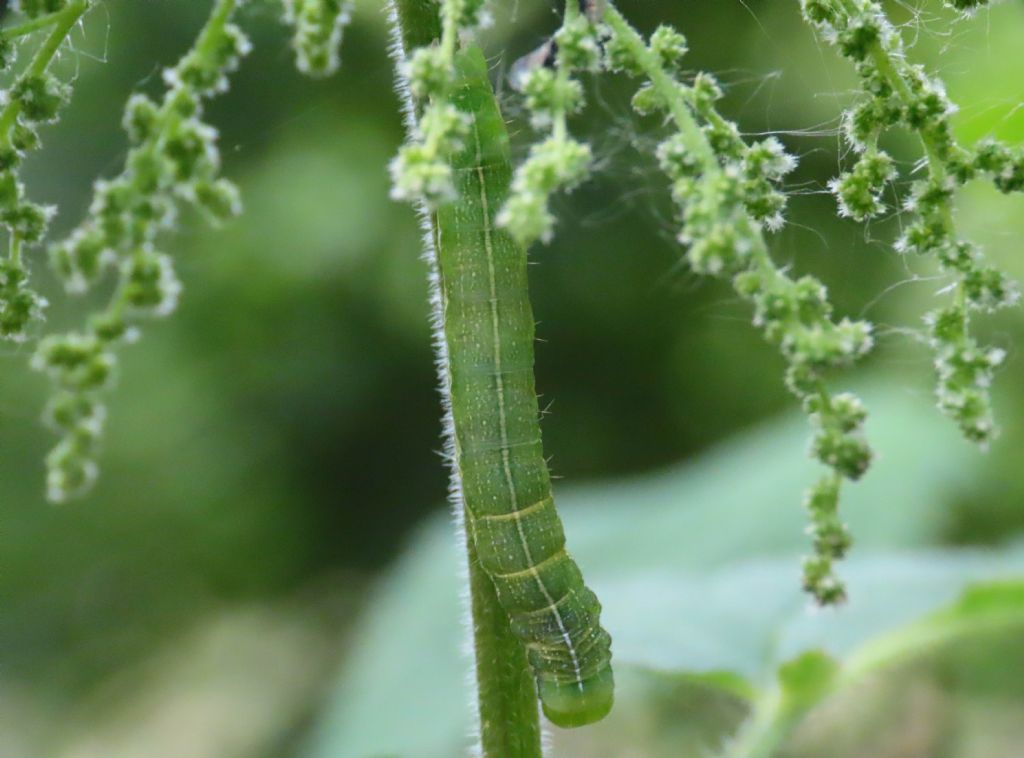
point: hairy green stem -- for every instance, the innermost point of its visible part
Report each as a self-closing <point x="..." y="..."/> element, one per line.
<point x="765" y="731"/>
<point x="507" y="708"/>
<point x="507" y="695"/>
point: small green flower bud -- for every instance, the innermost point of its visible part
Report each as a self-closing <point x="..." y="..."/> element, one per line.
<point x="676" y="158"/>
<point x="191" y="149"/>
<point x="548" y="94"/>
<point x="618" y="57"/>
<point x="669" y="45"/>
<point x="19" y="305"/>
<point x="70" y="467"/>
<point x="925" y="237"/>
<point x="553" y="164"/>
<point x="141" y="118"/>
<point x="577" y="45"/>
<point x="819" y="11"/>
<point x="149" y="283"/>
<point x="75" y="361"/>
<point x="647" y="100"/>
<point x="705" y="92"/>
<point x="967" y="6"/>
<point x="109" y="327"/>
<point x="821" y="582"/>
<point x="416" y="173"/>
<point x="723" y="250"/>
<point x="857" y="40"/>
<point x="849" y="412"/>
<point x="40" y="97"/>
<point x="848" y="455"/>
<point x="989" y="289"/>
<point x="28" y="220"/>
<point x="859" y="192"/>
<point x="220" y="199"/>
<point x="428" y="73"/>
<point x="319" y="25"/>
<point x="24" y="138"/>
<point x="768" y="158"/>
<point x="68" y="409"/>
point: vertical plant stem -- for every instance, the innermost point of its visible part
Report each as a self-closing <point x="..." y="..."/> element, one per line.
<point x="506" y="694"/>
<point x="766" y="730"/>
<point x="506" y="698"/>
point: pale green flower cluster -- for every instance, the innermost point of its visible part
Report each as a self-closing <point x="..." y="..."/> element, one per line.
<point x="901" y="94"/>
<point x="552" y="94"/>
<point x="34" y="98"/>
<point x="173" y="160"/>
<point x="319" y="25"/>
<point x="421" y="171"/>
<point x="728" y="194"/>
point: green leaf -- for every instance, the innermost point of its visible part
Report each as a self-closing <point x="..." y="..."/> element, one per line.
<point x="698" y="571"/>
<point x="806" y="679"/>
<point x="992" y="607"/>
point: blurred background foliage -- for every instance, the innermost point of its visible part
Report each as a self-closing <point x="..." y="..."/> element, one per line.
<point x="273" y="448"/>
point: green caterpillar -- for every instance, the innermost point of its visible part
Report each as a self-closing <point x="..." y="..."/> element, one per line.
<point x="506" y="486"/>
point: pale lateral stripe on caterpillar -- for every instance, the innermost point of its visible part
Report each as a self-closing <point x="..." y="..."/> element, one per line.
<point x="506" y="485"/>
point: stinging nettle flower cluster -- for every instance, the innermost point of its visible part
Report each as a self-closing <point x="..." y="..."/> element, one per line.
<point x="901" y="94"/>
<point x="34" y="99"/>
<point x="174" y="161"/>
<point x="728" y="194"/>
<point x="319" y="25"/>
<point x="421" y="171"/>
<point x="552" y="94"/>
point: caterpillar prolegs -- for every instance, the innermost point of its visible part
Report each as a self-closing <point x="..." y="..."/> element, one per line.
<point x="506" y="487"/>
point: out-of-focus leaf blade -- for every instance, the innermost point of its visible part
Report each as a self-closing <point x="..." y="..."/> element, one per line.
<point x="697" y="569"/>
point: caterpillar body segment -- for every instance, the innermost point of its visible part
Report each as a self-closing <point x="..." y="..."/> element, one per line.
<point x="506" y="486"/>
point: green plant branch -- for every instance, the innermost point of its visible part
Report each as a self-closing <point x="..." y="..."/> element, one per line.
<point x="34" y="25"/>
<point x="509" y="720"/>
<point x="766" y="729"/>
<point x="810" y="679"/>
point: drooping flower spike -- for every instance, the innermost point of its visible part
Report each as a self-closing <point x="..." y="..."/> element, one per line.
<point x="900" y="94"/>
<point x="727" y="193"/>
